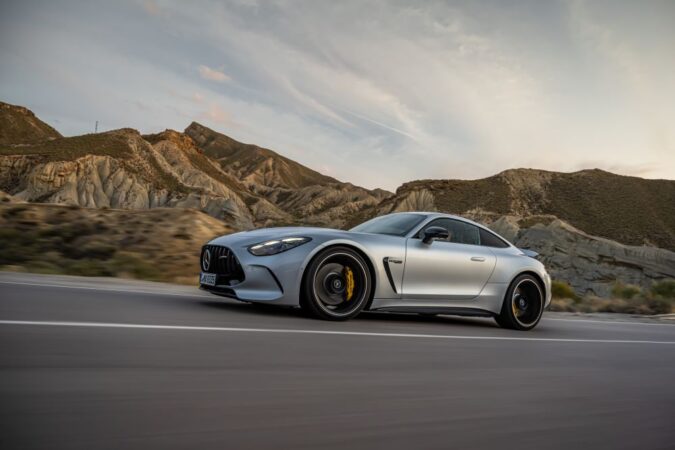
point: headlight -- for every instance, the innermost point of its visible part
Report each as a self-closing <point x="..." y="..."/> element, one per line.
<point x="277" y="246"/>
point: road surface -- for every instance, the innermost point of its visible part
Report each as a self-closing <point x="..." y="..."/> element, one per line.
<point x="94" y="364"/>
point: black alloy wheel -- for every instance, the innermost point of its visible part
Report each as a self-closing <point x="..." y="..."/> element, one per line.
<point x="523" y="304"/>
<point x="337" y="284"/>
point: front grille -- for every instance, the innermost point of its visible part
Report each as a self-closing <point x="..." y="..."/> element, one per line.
<point x="224" y="263"/>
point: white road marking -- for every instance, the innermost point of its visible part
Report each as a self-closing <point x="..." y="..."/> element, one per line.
<point x="325" y="332"/>
<point x="608" y="321"/>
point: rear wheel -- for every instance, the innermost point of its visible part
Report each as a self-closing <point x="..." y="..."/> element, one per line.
<point x="336" y="285"/>
<point x="523" y="305"/>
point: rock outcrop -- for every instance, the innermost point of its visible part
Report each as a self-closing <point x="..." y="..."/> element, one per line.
<point x="307" y="196"/>
<point x="589" y="263"/>
<point x="120" y="169"/>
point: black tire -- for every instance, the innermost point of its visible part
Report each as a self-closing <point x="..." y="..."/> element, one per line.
<point x="326" y="292"/>
<point x="523" y="305"/>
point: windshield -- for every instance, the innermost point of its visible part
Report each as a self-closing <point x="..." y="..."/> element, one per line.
<point x="393" y="224"/>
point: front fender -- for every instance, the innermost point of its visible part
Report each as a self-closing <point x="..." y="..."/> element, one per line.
<point x="374" y="253"/>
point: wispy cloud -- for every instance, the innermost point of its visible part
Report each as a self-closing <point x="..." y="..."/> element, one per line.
<point x="380" y="124"/>
<point x="208" y="73"/>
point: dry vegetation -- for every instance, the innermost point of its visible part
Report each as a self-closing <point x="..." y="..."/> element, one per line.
<point x="113" y="144"/>
<point x="160" y="244"/>
<point x="625" y="298"/>
<point x="18" y="125"/>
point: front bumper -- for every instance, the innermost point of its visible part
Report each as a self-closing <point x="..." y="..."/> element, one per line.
<point x="273" y="279"/>
<point x="547" y="287"/>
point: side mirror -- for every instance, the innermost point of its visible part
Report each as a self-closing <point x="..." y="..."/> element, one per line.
<point x="432" y="233"/>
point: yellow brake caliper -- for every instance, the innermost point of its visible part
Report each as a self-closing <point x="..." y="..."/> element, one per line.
<point x="349" y="279"/>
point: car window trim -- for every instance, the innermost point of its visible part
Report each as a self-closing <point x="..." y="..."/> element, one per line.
<point x="501" y="239"/>
<point x="415" y="235"/>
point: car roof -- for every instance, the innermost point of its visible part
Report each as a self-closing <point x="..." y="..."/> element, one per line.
<point x="436" y="215"/>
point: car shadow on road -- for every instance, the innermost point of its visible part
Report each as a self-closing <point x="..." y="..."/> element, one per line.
<point x="372" y="316"/>
<point x="424" y="318"/>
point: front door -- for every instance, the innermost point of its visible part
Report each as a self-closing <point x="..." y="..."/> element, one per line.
<point x="456" y="268"/>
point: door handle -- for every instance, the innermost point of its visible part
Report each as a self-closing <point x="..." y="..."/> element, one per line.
<point x="478" y="258"/>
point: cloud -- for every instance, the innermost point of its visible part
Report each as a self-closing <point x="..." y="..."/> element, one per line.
<point x="151" y="7"/>
<point x="381" y="93"/>
<point x="208" y="73"/>
<point x="383" y="125"/>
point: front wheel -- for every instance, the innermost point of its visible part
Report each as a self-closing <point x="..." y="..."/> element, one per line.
<point x="336" y="285"/>
<point x="523" y="304"/>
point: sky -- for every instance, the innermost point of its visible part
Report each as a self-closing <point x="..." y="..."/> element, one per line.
<point x="376" y="93"/>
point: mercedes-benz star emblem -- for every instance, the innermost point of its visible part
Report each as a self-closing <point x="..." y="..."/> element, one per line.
<point x="206" y="260"/>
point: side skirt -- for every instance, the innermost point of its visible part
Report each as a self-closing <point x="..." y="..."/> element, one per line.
<point x="449" y="310"/>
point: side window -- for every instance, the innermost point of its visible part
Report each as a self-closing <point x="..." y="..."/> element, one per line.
<point x="488" y="239"/>
<point x="458" y="232"/>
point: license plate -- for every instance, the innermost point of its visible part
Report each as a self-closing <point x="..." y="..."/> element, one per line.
<point x="208" y="279"/>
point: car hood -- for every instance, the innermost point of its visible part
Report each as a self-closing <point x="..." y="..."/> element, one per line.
<point x="245" y="238"/>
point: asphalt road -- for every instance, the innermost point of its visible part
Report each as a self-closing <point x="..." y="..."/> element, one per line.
<point x="104" y="364"/>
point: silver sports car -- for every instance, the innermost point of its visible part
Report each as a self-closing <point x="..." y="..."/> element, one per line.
<point x="427" y="263"/>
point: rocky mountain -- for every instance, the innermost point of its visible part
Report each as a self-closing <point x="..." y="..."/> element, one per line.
<point x="120" y="169"/>
<point x="255" y="165"/>
<point x="591" y="227"/>
<point x="241" y="184"/>
<point x="18" y="125"/>
<point x="304" y="193"/>
<point x="630" y="210"/>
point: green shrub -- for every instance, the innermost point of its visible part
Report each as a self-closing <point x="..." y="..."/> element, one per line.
<point x="74" y="230"/>
<point x="17" y="246"/>
<point x="625" y="291"/>
<point x="665" y="289"/>
<point x="660" y="305"/>
<point x="562" y="289"/>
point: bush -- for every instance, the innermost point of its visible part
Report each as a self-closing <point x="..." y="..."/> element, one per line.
<point x="664" y="289"/>
<point x="660" y="305"/>
<point x="625" y="291"/>
<point x="562" y="289"/>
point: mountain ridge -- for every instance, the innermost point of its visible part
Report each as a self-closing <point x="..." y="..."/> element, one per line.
<point x="19" y="125"/>
<point x="627" y="209"/>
